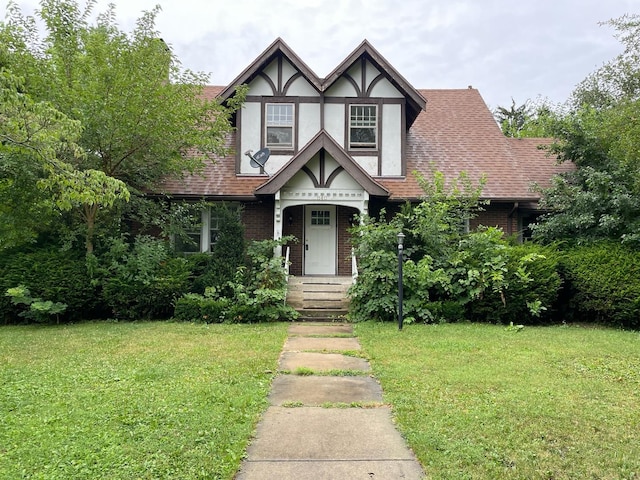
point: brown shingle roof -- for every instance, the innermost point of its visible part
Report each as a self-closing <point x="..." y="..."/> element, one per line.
<point x="456" y="132"/>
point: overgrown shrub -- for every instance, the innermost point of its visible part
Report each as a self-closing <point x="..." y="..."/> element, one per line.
<point x="194" y="307"/>
<point x="540" y="282"/>
<point x="53" y="275"/>
<point x="217" y="268"/>
<point x="256" y="294"/>
<point x="141" y="280"/>
<point x="35" y="309"/>
<point x="448" y="273"/>
<point x="603" y="281"/>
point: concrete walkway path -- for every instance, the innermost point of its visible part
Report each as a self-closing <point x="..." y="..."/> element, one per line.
<point x="326" y="425"/>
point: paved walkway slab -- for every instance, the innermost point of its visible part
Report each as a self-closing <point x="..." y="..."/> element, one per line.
<point x="331" y="470"/>
<point x="315" y="433"/>
<point x="320" y="329"/>
<point x="315" y="443"/>
<point x="316" y="391"/>
<point x="321" y="362"/>
<point x="300" y="344"/>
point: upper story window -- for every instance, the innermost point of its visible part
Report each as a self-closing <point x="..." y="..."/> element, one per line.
<point x="363" y="126"/>
<point x="279" y="125"/>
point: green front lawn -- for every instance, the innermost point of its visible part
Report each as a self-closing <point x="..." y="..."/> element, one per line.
<point x="484" y="402"/>
<point x="132" y="400"/>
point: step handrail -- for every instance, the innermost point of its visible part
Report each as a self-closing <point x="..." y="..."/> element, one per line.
<point x="354" y="266"/>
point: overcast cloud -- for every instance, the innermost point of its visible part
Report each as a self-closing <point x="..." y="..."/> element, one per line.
<point x="525" y="49"/>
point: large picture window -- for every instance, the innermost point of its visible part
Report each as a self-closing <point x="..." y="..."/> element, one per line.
<point x="279" y="125"/>
<point x="363" y="126"/>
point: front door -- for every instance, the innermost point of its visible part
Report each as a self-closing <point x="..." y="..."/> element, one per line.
<point x="320" y="240"/>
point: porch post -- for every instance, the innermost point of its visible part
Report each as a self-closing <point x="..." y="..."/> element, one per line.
<point x="277" y="223"/>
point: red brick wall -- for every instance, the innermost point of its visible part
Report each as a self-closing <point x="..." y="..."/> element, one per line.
<point x="497" y="215"/>
<point x="293" y="224"/>
<point x="257" y="218"/>
<point x="345" y="217"/>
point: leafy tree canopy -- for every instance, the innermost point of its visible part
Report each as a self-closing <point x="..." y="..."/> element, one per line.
<point x="139" y="116"/>
<point x="532" y="119"/>
<point x="601" y="136"/>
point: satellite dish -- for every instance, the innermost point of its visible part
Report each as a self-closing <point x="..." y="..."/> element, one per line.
<point x="259" y="158"/>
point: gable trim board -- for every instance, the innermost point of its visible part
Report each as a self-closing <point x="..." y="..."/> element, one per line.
<point x="417" y="131"/>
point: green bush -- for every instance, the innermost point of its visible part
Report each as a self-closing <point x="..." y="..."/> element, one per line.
<point x="374" y="296"/>
<point x="142" y="280"/>
<point x="217" y="268"/>
<point x="35" y="309"/>
<point x="53" y="275"/>
<point x="541" y="283"/>
<point x="257" y="293"/>
<point x="603" y="281"/>
<point x="480" y="276"/>
<point x="193" y="307"/>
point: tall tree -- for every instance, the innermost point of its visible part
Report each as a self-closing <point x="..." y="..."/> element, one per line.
<point x="512" y="120"/>
<point x="33" y="137"/>
<point x="601" y="136"/>
<point x="142" y="116"/>
<point x="531" y="119"/>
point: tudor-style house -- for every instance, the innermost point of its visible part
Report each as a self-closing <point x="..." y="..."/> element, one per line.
<point x="348" y="144"/>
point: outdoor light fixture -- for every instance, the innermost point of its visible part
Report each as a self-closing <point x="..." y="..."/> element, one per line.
<point x="290" y="220"/>
<point x="400" y="248"/>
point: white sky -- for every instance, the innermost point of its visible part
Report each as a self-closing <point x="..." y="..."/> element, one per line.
<point x="525" y="49"/>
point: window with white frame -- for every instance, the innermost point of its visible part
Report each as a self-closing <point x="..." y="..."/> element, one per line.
<point x="279" y="125"/>
<point x="192" y="241"/>
<point x="363" y="126"/>
<point x="321" y="217"/>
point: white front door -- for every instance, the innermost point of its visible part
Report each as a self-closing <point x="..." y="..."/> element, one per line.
<point x="320" y="240"/>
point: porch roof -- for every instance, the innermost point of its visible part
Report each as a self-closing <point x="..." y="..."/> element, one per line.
<point x="322" y="141"/>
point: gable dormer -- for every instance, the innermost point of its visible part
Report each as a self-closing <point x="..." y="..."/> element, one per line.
<point x="370" y="107"/>
<point x="282" y="108"/>
<point x="365" y="104"/>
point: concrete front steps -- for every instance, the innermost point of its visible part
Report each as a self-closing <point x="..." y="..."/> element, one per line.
<point x="319" y="298"/>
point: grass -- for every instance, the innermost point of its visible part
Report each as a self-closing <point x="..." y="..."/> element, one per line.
<point x="132" y="400"/>
<point x="484" y="402"/>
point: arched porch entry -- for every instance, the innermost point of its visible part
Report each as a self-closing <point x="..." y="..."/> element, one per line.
<point x="316" y="195"/>
<point x="324" y="242"/>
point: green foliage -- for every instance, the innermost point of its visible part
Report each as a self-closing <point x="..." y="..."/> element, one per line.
<point x="601" y="198"/>
<point x="38" y="310"/>
<point x="227" y="254"/>
<point x="447" y="274"/>
<point x="257" y="293"/>
<point x="194" y="307"/>
<point x="601" y="137"/>
<point x="529" y="120"/>
<point x="53" y="275"/>
<point x="532" y="287"/>
<point x="140" y="280"/>
<point x="33" y="135"/>
<point x="113" y="115"/>
<point x="604" y="282"/>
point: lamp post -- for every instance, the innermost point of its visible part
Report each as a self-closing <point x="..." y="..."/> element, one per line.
<point x="400" y="248"/>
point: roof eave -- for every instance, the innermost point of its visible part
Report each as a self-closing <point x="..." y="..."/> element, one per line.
<point x="416" y="100"/>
